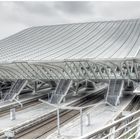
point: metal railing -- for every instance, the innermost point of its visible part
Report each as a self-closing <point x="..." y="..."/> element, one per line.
<point x="124" y="128"/>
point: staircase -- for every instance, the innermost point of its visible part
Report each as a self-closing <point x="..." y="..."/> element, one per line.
<point x="114" y="91"/>
<point x="15" y="90"/>
<point x="61" y="91"/>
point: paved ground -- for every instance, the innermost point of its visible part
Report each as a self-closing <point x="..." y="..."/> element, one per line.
<point x="99" y="115"/>
<point x="25" y="116"/>
<point x="31" y="113"/>
<point x="23" y="98"/>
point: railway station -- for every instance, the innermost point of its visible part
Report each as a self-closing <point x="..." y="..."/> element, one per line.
<point x="66" y="81"/>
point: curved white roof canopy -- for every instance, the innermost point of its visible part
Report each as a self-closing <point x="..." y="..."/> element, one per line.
<point x="94" y="50"/>
<point x="94" y="40"/>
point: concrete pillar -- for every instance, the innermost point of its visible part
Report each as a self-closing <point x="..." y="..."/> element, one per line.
<point x="48" y="96"/>
<point x="58" y="122"/>
<point x="12" y="114"/>
<point x="81" y="121"/>
<point x="35" y="86"/>
<point x="88" y="119"/>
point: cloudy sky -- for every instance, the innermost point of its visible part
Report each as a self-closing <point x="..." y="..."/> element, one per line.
<point x="16" y="16"/>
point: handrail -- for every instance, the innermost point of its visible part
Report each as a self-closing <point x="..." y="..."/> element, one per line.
<point x="107" y="127"/>
<point x="124" y="126"/>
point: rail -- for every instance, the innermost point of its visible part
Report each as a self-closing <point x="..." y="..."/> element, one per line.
<point x="128" y="129"/>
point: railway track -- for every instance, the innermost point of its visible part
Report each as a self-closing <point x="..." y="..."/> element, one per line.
<point x="43" y="128"/>
<point x="132" y="107"/>
<point x="64" y="119"/>
<point x="102" y="133"/>
<point x="18" y="108"/>
<point x="32" y="102"/>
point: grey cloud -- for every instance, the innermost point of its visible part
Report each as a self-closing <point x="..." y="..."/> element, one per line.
<point x="118" y="10"/>
<point x="44" y="8"/>
<point x="19" y="15"/>
<point x="75" y="7"/>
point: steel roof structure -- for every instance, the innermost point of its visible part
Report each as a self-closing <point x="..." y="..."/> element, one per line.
<point x="92" y="50"/>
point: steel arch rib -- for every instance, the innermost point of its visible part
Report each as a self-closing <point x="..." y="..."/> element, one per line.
<point x="52" y="68"/>
<point x="11" y="70"/>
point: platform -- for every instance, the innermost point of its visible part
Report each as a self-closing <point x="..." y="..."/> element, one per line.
<point x="32" y="113"/>
<point x="25" y="116"/>
<point x="100" y="116"/>
<point x="23" y="99"/>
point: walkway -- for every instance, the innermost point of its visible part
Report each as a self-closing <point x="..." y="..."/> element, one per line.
<point x="100" y="116"/>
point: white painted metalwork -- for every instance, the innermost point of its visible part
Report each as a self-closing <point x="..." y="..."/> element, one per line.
<point x="15" y="90"/>
<point x="92" y="50"/>
<point x="119" y="132"/>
